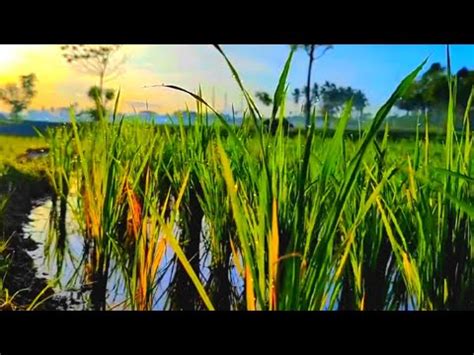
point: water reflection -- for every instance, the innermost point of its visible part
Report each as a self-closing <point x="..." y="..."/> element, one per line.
<point x="61" y="260"/>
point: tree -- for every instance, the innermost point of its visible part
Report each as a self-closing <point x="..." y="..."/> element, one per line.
<point x="103" y="61"/>
<point x="311" y="50"/>
<point x="95" y="94"/>
<point x="465" y="86"/>
<point x="264" y="97"/>
<point x="429" y="94"/>
<point x="334" y="98"/>
<point x="314" y="94"/>
<point x="19" y="97"/>
<point x="271" y="125"/>
<point x="330" y="97"/>
<point x="413" y="100"/>
<point x="434" y="71"/>
<point x="296" y="95"/>
<point x="360" y="102"/>
<point x="463" y="73"/>
<point x="433" y="89"/>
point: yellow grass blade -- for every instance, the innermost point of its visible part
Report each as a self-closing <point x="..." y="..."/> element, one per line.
<point x="362" y="303"/>
<point x="237" y="260"/>
<point x="187" y="266"/>
<point x="350" y="236"/>
<point x="182" y="189"/>
<point x="273" y="257"/>
<point x="249" y="291"/>
<point x="411" y="176"/>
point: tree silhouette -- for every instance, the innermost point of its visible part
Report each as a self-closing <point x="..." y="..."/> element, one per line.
<point x="334" y="98"/>
<point x="430" y="93"/>
<point x="303" y="93"/>
<point x="102" y="61"/>
<point x="19" y="96"/>
<point x="465" y="86"/>
<point x="331" y="98"/>
<point x="296" y="95"/>
<point x="271" y="126"/>
<point x="412" y="100"/>
<point x="101" y="100"/>
<point x="311" y="50"/>
<point x="360" y="102"/>
<point x="315" y="93"/>
<point x="264" y="97"/>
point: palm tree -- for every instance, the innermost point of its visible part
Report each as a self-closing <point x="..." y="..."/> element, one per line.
<point x="296" y="95"/>
<point x="264" y="97"/>
<point x="95" y="93"/>
<point x="315" y="93"/>
<point x="330" y="97"/>
<point x="360" y="102"/>
<point x="311" y="51"/>
<point x="272" y="125"/>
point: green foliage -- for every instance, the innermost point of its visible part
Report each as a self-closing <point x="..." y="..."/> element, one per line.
<point x="19" y="96"/>
<point x="311" y="50"/>
<point x="264" y="98"/>
<point x="331" y="97"/>
<point x="334" y="98"/>
<point x="430" y="94"/>
<point x="100" y="99"/>
<point x="102" y="61"/>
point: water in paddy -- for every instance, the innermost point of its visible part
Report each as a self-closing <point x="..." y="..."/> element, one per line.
<point x="62" y="263"/>
<point x="37" y="229"/>
<point x="68" y="283"/>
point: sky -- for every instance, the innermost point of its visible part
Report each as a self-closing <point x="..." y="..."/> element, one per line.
<point x="374" y="69"/>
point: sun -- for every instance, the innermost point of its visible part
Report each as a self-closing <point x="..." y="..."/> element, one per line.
<point x="8" y="55"/>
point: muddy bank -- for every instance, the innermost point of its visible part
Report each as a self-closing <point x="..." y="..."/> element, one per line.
<point x="21" y="277"/>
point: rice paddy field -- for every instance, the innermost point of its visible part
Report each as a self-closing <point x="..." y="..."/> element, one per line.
<point x="213" y="216"/>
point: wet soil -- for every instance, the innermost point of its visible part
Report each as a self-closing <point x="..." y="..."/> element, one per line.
<point x="23" y="190"/>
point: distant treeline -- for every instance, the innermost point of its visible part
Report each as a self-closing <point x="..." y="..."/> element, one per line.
<point x="429" y="95"/>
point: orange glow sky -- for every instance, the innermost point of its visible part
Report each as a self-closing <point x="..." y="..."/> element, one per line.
<point x="60" y="84"/>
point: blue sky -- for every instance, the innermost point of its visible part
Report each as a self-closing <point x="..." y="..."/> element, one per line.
<point x="375" y="69"/>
